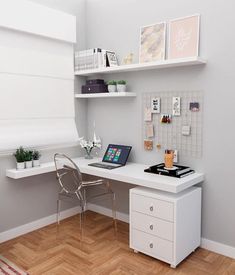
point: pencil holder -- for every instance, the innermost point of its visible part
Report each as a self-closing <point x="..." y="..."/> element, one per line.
<point x="169" y="156"/>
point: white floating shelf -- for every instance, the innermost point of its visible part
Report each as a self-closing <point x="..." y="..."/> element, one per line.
<point x="102" y="95"/>
<point x="42" y="169"/>
<point x="169" y="63"/>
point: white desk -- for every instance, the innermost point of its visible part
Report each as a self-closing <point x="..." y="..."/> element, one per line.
<point x="132" y="173"/>
<point x="164" y="225"/>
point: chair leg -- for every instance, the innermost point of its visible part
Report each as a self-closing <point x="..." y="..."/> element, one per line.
<point x="114" y="210"/>
<point x="82" y="219"/>
<point x="58" y="211"/>
<point x="113" y="198"/>
<point x="82" y="205"/>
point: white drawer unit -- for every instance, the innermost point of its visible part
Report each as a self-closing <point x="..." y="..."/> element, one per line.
<point x="153" y="226"/>
<point x="163" y="225"/>
<point x="153" y="207"/>
<point x="153" y="245"/>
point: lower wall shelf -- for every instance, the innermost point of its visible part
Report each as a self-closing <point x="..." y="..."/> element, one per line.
<point x="42" y="169"/>
<point x="107" y="95"/>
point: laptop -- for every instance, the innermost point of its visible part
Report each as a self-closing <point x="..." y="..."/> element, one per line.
<point x="114" y="157"/>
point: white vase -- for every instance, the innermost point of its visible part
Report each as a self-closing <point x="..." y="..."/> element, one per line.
<point x="112" y="88"/>
<point x="121" y="88"/>
<point x="36" y="162"/>
<point x="29" y="164"/>
<point x="20" y="165"/>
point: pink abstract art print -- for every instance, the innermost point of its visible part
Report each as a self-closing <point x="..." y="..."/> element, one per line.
<point x="184" y="37"/>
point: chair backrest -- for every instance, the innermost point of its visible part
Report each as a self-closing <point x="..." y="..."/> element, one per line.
<point x="67" y="173"/>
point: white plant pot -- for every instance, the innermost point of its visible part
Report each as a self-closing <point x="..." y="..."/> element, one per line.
<point x="36" y="162"/>
<point x="29" y="164"/>
<point x="20" y="165"/>
<point x="112" y="88"/>
<point x="121" y="88"/>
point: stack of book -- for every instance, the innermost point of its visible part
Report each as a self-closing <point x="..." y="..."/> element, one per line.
<point x="90" y="59"/>
<point x="177" y="171"/>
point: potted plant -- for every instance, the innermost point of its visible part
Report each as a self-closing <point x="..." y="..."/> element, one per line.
<point x="89" y="145"/>
<point x="112" y="86"/>
<point x="121" y="86"/>
<point x="29" y="159"/>
<point x="20" y="158"/>
<point x="36" y="158"/>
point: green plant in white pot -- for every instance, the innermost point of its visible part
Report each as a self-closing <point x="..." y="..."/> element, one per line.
<point x="28" y="159"/>
<point x="20" y="158"/>
<point x="36" y="158"/>
<point x="121" y="86"/>
<point x="112" y="86"/>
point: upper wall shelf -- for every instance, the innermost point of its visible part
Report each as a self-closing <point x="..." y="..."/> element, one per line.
<point x="169" y="63"/>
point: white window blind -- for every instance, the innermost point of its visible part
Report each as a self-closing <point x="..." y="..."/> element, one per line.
<point x="26" y="16"/>
<point x="36" y="84"/>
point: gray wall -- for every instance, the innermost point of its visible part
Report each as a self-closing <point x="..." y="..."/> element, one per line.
<point x="115" y="25"/>
<point x="26" y="200"/>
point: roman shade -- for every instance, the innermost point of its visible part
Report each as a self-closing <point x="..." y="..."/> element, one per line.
<point x="36" y="77"/>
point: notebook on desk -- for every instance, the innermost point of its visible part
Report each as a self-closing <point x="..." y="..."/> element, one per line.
<point x="114" y="157"/>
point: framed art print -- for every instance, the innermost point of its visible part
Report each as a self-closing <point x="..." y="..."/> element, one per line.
<point x="152" y="42"/>
<point x="184" y="37"/>
<point x="112" y="59"/>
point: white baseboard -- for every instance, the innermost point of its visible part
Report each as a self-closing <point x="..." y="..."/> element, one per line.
<point x="29" y="227"/>
<point x="219" y="248"/>
<point x="108" y="212"/>
<point x="216" y="247"/>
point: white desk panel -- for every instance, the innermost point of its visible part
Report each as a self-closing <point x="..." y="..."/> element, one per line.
<point x="132" y="173"/>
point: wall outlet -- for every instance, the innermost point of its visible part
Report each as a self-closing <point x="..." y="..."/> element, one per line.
<point x="175" y="159"/>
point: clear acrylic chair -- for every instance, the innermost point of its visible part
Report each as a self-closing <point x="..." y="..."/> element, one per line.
<point x="74" y="188"/>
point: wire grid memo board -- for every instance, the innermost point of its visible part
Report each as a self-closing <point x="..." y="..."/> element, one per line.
<point x="170" y="136"/>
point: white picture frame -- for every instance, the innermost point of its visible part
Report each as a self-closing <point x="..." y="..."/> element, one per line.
<point x="171" y="54"/>
<point x="160" y="50"/>
<point x="112" y="59"/>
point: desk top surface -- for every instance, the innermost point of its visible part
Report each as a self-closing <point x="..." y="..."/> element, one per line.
<point x="132" y="173"/>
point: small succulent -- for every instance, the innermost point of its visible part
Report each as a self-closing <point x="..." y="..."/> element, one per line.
<point x="36" y="155"/>
<point x="112" y="82"/>
<point x="121" y="82"/>
<point x="20" y="154"/>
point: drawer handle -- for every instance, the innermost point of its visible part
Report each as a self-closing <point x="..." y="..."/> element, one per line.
<point x="151" y="208"/>
<point x="151" y="245"/>
<point x="151" y="226"/>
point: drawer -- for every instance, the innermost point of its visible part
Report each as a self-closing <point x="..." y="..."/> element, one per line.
<point x="152" y="245"/>
<point x="153" y="207"/>
<point x="152" y="225"/>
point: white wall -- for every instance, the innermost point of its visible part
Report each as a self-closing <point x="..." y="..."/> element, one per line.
<point x="115" y="25"/>
<point x="26" y="200"/>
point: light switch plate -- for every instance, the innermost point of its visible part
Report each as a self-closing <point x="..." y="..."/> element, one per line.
<point x="176" y="106"/>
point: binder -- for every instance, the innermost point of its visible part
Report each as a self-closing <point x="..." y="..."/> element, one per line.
<point x="179" y="171"/>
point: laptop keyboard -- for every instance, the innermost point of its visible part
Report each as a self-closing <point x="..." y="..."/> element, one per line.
<point x="102" y="165"/>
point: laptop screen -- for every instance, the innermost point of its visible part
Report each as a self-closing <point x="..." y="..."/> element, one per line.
<point x="117" y="154"/>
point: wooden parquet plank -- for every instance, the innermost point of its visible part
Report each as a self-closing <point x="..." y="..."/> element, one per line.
<point x="102" y="251"/>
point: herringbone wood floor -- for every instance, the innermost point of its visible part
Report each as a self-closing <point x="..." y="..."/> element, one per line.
<point x="47" y="251"/>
